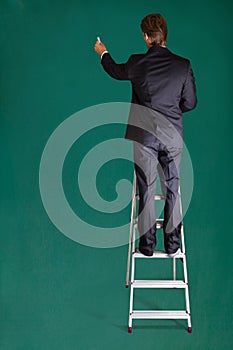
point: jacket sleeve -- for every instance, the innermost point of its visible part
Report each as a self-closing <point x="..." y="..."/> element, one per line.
<point x="188" y="97"/>
<point x="116" y="71"/>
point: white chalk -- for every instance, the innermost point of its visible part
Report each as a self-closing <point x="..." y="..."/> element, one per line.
<point x="98" y="38"/>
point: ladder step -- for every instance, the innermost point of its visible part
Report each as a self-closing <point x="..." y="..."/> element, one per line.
<point x="159" y="284"/>
<point x="158" y="197"/>
<point x="161" y="314"/>
<point x="159" y="223"/>
<point x="157" y="254"/>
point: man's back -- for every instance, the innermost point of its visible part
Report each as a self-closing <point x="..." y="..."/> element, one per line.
<point x="160" y="80"/>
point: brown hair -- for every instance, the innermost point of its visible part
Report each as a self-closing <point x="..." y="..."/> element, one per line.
<point x="155" y="26"/>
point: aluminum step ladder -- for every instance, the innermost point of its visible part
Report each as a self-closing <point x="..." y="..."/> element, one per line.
<point x="133" y="255"/>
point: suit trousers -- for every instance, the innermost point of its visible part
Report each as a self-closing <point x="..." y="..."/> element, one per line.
<point x="149" y="162"/>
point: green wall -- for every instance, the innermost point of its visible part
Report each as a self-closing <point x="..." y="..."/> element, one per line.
<point x="54" y="292"/>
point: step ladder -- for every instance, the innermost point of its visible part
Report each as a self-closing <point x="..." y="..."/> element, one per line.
<point x="133" y="255"/>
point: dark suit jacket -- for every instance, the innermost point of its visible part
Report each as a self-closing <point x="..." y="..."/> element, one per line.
<point x="161" y="81"/>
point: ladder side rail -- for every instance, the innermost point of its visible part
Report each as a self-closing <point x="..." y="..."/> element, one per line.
<point x="133" y="211"/>
<point x="132" y="280"/>
<point x="174" y="269"/>
<point x="185" y="268"/>
<point x="182" y="228"/>
<point x="186" y="281"/>
<point x="183" y="242"/>
<point x="134" y="214"/>
<point x="133" y="258"/>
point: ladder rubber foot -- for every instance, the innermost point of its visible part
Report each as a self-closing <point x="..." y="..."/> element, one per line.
<point x="126" y="286"/>
<point x="130" y="329"/>
<point x="189" y="329"/>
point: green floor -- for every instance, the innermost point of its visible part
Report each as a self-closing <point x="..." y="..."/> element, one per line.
<point x="54" y="292"/>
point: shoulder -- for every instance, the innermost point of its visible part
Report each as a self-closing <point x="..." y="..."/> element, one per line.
<point x="180" y="59"/>
<point x="180" y="64"/>
<point x="136" y="57"/>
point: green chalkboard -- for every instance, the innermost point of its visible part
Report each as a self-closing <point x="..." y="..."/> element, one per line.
<point x="57" y="292"/>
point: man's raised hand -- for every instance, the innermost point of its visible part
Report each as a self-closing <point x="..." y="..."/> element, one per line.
<point x="99" y="47"/>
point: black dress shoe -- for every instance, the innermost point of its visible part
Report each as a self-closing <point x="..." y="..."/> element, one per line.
<point x="144" y="252"/>
<point x="172" y="255"/>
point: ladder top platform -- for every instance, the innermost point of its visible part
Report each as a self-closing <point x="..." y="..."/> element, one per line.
<point x="157" y="254"/>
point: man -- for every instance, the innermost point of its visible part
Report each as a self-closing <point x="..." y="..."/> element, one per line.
<point x="163" y="87"/>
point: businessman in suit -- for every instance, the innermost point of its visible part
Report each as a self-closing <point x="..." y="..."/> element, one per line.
<point x="163" y="87"/>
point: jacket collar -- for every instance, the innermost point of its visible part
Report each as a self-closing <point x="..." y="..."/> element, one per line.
<point x="157" y="48"/>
